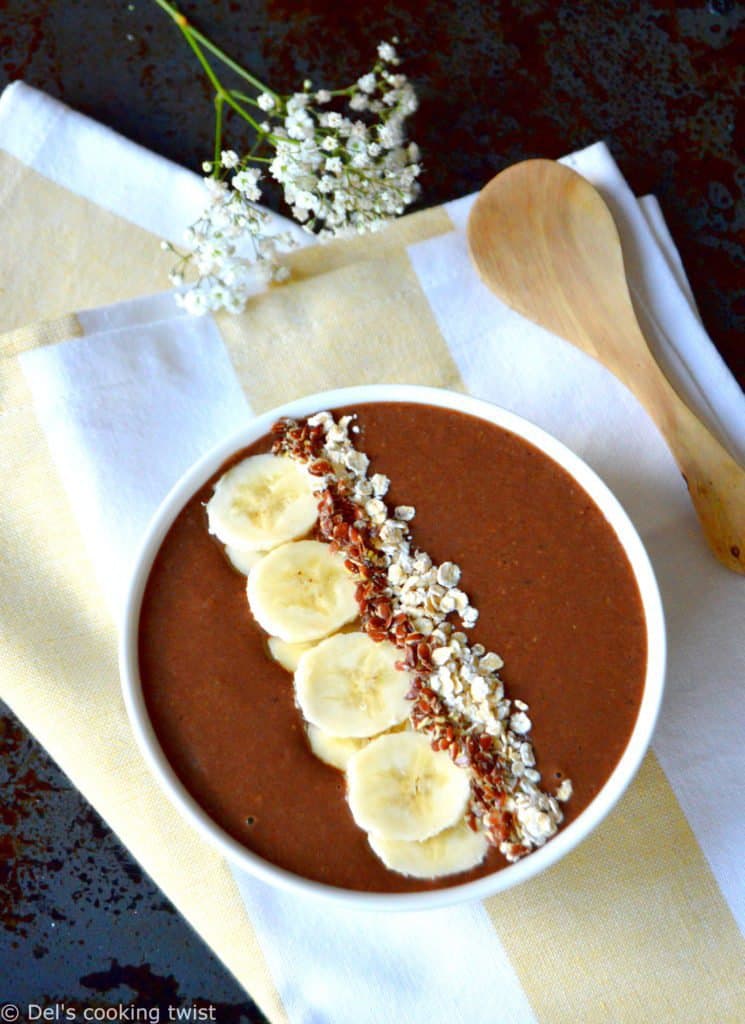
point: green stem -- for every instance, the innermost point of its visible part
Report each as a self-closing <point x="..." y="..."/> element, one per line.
<point x="243" y="97"/>
<point x="228" y="97"/>
<point x="258" y="141"/>
<point x="233" y="65"/>
<point x="189" y="30"/>
<point x="201" y="58"/>
<point x="218" y="133"/>
<point x="223" y="94"/>
<point x="239" y="109"/>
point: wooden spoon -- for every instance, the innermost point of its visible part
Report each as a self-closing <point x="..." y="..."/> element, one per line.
<point x="544" y="241"/>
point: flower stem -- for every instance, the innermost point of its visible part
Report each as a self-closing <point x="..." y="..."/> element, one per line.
<point x="243" y="97"/>
<point x="190" y="32"/>
<point x="229" y="62"/>
<point x="218" y="133"/>
<point x="194" y="38"/>
<point x="239" y="109"/>
<point x="201" y="58"/>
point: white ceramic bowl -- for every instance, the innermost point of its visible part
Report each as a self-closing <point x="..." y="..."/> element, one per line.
<point x="568" y="837"/>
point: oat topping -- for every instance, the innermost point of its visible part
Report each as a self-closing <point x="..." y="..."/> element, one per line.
<point x="458" y="699"/>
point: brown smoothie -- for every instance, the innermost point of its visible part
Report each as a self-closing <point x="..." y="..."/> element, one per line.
<point x="558" y="602"/>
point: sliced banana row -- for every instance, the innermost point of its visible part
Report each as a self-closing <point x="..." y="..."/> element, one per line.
<point x="410" y="799"/>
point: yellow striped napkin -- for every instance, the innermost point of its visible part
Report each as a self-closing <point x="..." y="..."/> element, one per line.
<point x="102" y="409"/>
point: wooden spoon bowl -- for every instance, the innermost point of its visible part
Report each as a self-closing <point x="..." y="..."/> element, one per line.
<point x="544" y="241"/>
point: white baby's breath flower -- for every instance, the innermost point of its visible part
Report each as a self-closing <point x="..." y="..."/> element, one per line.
<point x="331" y="119"/>
<point x="229" y="159"/>
<point x="230" y="248"/>
<point x="194" y="301"/>
<point x="246" y="182"/>
<point x="299" y="125"/>
<point x="298" y="101"/>
<point x="359" y="102"/>
<point x="341" y="172"/>
<point x="387" y="53"/>
<point x="215" y="188"/>
<point x="367" y="83"/>
<point x="390" y="134"/>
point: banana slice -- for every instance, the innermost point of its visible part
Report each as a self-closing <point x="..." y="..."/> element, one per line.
<point x="337" y="750"/>
<point x="334" y="750"/>
<point x="399" y="788"/>
<point x="243" y="560"/>
<point x="455" y="849"/>
<point x="301" y="592"/>
<point x="288" y="655"/>
<point x="262" y="502"/>
<point x="349" y="686"/>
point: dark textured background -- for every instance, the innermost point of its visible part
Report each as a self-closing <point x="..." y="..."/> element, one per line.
<point x="498" y="81"/>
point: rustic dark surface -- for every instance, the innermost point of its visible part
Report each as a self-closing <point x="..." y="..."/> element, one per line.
<point x="498" y="81"/>
<point x="79" y="922"/>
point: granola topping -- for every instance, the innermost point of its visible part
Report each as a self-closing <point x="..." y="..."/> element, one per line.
<point x="457" y="697"/>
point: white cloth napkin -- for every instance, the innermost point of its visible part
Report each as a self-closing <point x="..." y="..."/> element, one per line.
<point x="127" y="407"/>
<point x="93" y="161"/>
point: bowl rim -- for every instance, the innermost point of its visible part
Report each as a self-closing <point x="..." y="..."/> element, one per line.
<point x="567" y="838"/>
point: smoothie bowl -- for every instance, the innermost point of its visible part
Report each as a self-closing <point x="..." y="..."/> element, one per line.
<point x="393" y="646"/>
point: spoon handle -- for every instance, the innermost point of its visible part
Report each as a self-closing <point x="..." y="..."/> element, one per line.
<point x="715" y="482"/>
